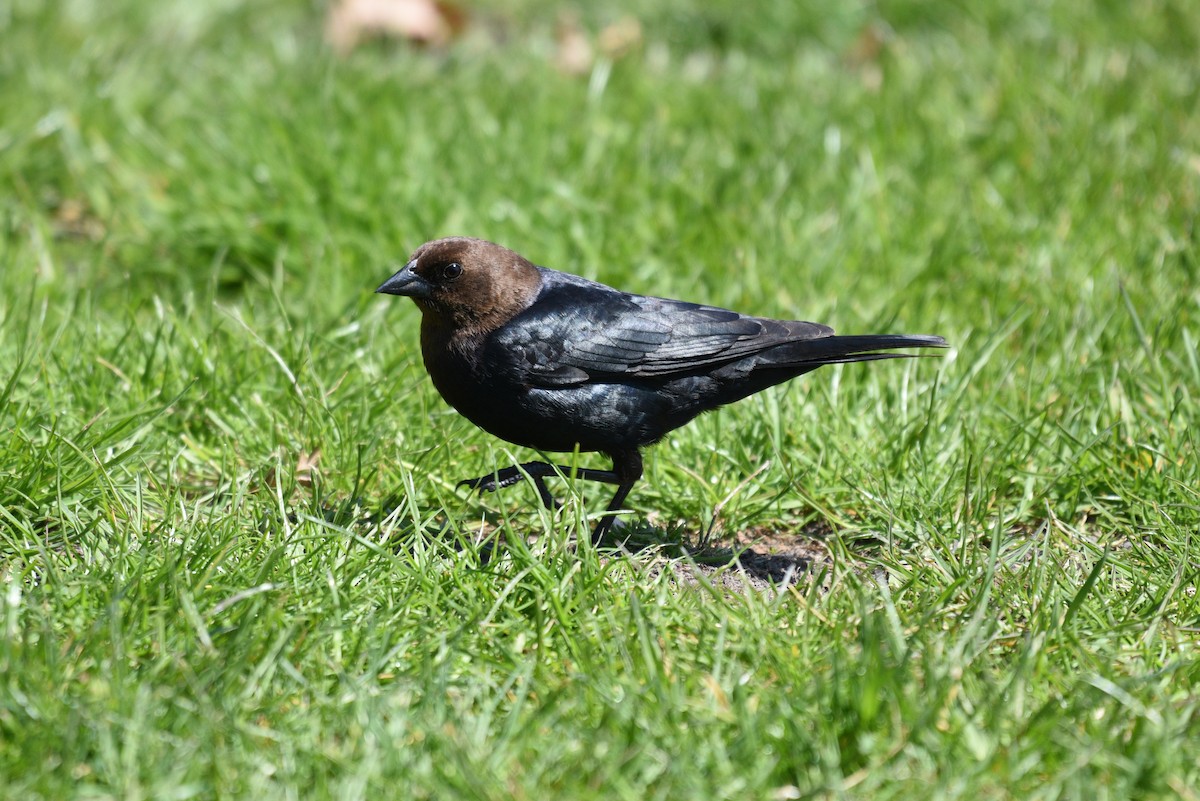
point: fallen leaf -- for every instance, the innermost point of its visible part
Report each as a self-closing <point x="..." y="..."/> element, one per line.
<point x="869" y="45"/>
<point x="305" y="465"/>
<point x="621" y="37"/>
<point x="425" y="22"/>
<point x="73" y="219"/>
<point x="866" y="52"/>
<point x="573" y="51"/>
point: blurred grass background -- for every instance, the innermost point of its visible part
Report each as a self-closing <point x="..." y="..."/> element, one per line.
<point x="218" y="448"/>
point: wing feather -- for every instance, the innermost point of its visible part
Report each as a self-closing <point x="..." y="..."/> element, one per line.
<point x="578" y="331"/>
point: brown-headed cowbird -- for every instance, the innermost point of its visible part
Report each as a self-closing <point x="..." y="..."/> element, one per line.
<point x="551" y="361"/>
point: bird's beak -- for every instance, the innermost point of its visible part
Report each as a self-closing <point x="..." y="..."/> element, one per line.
<point x="408" y="283"/>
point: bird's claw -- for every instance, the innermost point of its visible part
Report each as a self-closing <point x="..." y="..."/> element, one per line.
<point x="494" y="481"/>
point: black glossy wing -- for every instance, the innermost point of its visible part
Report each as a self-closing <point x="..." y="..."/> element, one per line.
<point x="578" y="331"/>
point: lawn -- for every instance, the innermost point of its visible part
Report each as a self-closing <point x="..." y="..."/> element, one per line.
<point x="233" y="559"/>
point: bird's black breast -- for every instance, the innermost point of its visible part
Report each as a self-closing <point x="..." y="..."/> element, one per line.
<point x="515" y="385"/>
<point x="494" y="392"/>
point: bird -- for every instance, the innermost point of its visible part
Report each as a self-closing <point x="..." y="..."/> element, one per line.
<point x="555" y="362"/>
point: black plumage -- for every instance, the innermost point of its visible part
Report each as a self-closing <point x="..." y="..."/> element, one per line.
<point x="551" y="361"/>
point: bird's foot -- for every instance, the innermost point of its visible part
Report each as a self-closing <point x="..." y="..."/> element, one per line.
<point x="512" y="475"/>
<point x="494" y="481"/>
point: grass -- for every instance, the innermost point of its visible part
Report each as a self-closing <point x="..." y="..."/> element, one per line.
<point x="198" y="201"/>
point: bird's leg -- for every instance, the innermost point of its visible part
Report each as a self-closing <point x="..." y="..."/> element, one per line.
<point x="538" y="471"/>
<point x="548" y="500"/>
<point x="627" y="469"/>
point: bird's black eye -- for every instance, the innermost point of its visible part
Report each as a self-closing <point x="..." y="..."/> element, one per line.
<point x="451" y="271"/>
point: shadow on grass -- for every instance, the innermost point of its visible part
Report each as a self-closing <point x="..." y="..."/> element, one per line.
<point x="761" y="559"/>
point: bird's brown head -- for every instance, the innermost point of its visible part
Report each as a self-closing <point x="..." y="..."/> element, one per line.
<point x="470" y="286"/>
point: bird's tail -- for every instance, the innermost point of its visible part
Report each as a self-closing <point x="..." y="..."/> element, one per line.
<point x="800" y="356"/>
<point x="840" y="350"/>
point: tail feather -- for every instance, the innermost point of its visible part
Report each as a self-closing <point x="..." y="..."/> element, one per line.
<point x="791" y="359"/>
<point x="845" y="349"/>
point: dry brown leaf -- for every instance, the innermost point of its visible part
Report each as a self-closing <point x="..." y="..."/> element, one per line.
<point x="306" y="463"/>
<point x="621" y="37"/>
<point x="426" y="22"/>
<point x="869" y="45"/>
<point x="573" y="51"/>
<point x="75" y="220"/>
<point x="866" y="52"/>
